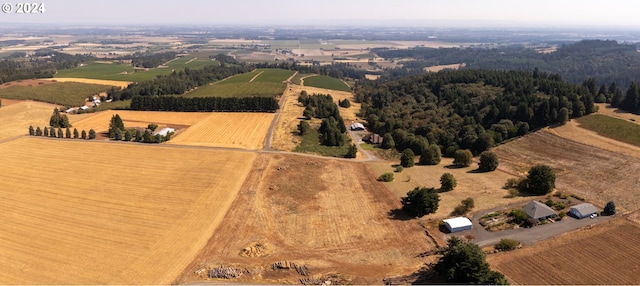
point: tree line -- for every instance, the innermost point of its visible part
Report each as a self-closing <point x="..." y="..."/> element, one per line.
<point x="468" y="109"/>
<point x="321" y="106"/>
<point x="118" y="132"/>
<point x="44" y="63"/>
<point x="204" y="104"/>
<point x="59" y="133"/>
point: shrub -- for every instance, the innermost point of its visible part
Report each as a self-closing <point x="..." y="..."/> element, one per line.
<point x="407" y="158"/>
<point x="386" y="177"/>
<point x="462" y="158"/>
<point x="518" y="216"/>
<point x="507" y="244"/>
<point x="609" y="208"/>
<point x="447" y="182"/>
<point x="488" y="162"/>
<point x="398" y="169"/>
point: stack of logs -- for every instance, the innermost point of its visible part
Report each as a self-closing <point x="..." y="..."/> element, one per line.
<point x="226" y="272"/>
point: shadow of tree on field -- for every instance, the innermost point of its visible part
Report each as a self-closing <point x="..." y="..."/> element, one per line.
<point x="398" y="214"/>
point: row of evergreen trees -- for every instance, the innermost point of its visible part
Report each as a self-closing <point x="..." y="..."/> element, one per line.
<point x="118" y="132"/>
<point x="206" y="104"/>
<point x="58" y="133"/>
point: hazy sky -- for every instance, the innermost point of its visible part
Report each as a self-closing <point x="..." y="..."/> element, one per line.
<point x="539" y="13"/>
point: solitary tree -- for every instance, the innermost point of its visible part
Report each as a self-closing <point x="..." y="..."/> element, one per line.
<point x="462" y="158"/>
<point x="540" y="181"/>
<point x="465" y="263"/>
<point x="31" y="130"/>
<point x="488" y="161"/>
<point x="92" y="134"/>
<point x="610" y="208"/>
<point x="84" y="134"/>
<point x="303" y="127"/>
<point x="407" y="158"/>
<point x="420" y="202"/>
<point x="447" y="182"/>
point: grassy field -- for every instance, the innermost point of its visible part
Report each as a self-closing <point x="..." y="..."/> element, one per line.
<point x="311" y="144"/>
<point x="125" y="72"/>
<point x="260" y="82"/>
<point x="611" y="127"/>
<point x="62" y="93"/>
<point x="322" y="81"/>
<point x="108" y="213"/>
<point x="228" y="129"/>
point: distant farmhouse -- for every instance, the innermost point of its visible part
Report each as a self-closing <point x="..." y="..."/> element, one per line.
<point x="164" y="131"/>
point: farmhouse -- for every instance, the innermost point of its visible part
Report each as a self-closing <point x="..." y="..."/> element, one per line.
<point x="164" y="131"/>
<point x="356" y="126"/>
<point x="582" y="210"/>
<point x="457" y="224"/>
<point x="374" y="139"/>
<point x="537" y="210"/>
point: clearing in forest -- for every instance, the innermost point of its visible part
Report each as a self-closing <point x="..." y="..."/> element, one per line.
<point x="79" y="212"/>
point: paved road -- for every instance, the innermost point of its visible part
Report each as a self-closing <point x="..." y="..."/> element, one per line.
<point x="527" y="236"/>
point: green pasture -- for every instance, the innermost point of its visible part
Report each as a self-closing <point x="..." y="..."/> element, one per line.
<point x="311" y="144"/>
<point x="267" y="82"/>
<point x="327" y="82"/>
<point x="611" y="127"/>
<point x="62" y="93"/>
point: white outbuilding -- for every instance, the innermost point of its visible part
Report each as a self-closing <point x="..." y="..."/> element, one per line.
<point x="457" y="224"/>
<point x="583" y="210"/>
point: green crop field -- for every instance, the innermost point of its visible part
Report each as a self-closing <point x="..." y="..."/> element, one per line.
<point x="614" y="128"/>
<point x="322" y="81"/>
<point x="266" y="82"/>
<point x="62" y="93"/>
<point x="125" y="72"/>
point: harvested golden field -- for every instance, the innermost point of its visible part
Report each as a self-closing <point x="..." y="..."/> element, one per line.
<point x="605" y="254"/>
<point x="107" y="213"/>
<point x="141" y="119"/>
<point x="121" y="84"/>
<point x="16" y="118"/>
<point x="594" y="173"/>
<point x="228" y="129"/>
<point x="331" y="216"/>
<point x="485" y="188"/>
<point x="444" y="67"/>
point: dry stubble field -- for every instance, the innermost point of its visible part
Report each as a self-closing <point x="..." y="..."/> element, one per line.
<point x="228" y="129"/>
<point x="100" y="213"/>
<point x="16" y="117"/>
<point x="140" y="119"/>
<point x="329" y="215"/>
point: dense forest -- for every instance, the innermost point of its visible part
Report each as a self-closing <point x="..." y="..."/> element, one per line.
<point x="42" y="64"/>
<point x="205" y="104"/>
<point x="469" y="109"/>
<point x="606" y="61"/>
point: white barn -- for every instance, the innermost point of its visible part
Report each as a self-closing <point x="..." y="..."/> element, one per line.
<point x="356" y="126"/>
<point x="164" y="131"/>
<point x="583" y="210"/>
<point x="457" y="224"/>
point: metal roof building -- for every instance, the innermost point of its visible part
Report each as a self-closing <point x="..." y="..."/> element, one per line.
<point x="457" y="224"/>
<point x="583" y="210"/>
<point x="538" y="210"/>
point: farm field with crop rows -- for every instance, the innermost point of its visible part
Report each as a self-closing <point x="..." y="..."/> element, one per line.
<point x="106" y="213"/>
<point x="62" y="93"/>
<point x="260" y="82"/>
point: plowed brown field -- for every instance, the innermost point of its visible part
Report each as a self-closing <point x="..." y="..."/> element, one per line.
<point x="228" y="129"/>
<point x="106" y="213"/>
<point x="605" y="254"/>
<point x="330" y="215"/>
<point x="594" y="173"/>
